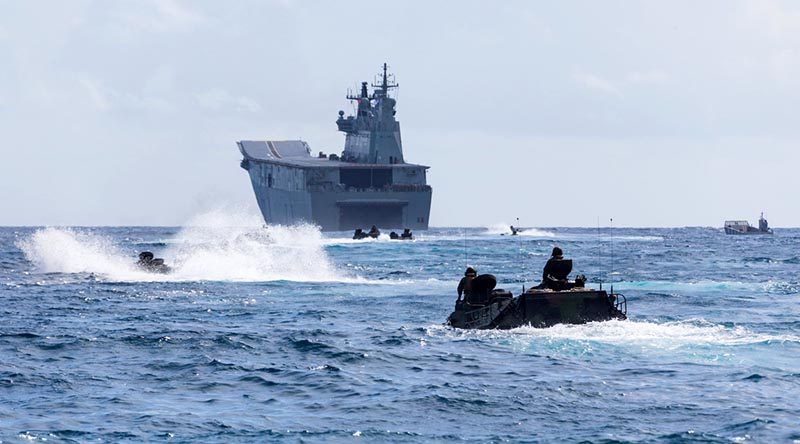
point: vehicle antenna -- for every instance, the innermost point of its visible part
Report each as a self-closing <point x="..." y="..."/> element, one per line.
<point x="599" y="260"/>
<point x="612" y="253"/>
<point x="521" y="262"/>
<point x="466" y="259"/>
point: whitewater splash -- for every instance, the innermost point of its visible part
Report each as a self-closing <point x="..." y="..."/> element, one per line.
<point x="668" y="335"/>
<point x="504" y="228"/>
<point x="383" y="237"/>
<point x="214" y="246"/>
<point x="640" y="334"/>
<point x="65" y="250"/>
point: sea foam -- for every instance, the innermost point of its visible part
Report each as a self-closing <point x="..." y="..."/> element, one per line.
<point x="504" y="228"/>
<point x="640" y="334"/>
<point x="213" y="246"/>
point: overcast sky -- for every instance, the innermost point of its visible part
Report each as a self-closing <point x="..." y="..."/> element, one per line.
<point x="669" y="113"/>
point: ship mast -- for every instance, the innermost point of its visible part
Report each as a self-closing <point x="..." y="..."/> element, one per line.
<point x="385" y="85"/>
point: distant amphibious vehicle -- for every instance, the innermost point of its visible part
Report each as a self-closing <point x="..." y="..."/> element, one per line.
<point x="743" y="227"/>
<point x="148" y="262"/>
<point x="369" y="184"/>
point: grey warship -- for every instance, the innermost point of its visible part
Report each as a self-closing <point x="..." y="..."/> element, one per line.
<point x="369" y="184"/>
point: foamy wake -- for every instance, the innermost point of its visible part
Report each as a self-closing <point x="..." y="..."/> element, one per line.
<point x="504" y="228"/>
<point x="651" y="335"/>
<point x="533" y="232"/>
<point x="666" y="335"/>
<point x="214" y="246"/>
<point x="383" y="237"/>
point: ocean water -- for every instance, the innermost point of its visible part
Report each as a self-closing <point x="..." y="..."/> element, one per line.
<point x="286" y="334"/>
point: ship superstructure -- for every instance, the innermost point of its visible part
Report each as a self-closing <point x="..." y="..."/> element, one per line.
<point x="369" y="184"/>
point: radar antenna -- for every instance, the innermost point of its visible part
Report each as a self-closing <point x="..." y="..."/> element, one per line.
<point x="387" y="82"/>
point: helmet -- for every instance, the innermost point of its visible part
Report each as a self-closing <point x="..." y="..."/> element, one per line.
<point x="470" y="272"/>
<point x="557" y="252"/>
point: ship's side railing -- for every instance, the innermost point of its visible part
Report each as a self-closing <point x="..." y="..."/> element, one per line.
<point x="620" y="302"/>
<point x="330" y="186"/>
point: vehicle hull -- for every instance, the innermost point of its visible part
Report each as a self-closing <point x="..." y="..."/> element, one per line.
<point x="540" y="308"/>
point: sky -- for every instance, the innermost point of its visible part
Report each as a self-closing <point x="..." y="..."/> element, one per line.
<point x="655" y="114"/>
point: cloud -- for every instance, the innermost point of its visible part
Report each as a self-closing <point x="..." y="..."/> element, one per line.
<point x="779" y="25"/>
<point x="595" y="83"/>
<point x="102" y="98"/>
<point x="784" y="65"/>
<point x="648" y="77"/>
<point x="96" y="96"/>
<point x="778" y="20"/>
<point x="218" y="99"/>
<point x="163" y="16"/>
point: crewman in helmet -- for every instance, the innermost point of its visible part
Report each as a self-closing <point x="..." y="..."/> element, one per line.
<point x="465" y="286"/>
<point x="553" y="275"/>
<point x="145" y="259"/>
<point x="374" y="232"/>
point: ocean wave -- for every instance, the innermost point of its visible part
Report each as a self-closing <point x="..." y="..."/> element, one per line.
<point x="534" y="232"/>
<point x="214" y="246"/>
<point x="777" y="287"/>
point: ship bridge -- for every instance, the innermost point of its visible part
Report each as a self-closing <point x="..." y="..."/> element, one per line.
<point x="373" y="134"/>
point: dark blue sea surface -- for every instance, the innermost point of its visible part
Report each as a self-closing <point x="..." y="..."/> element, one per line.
<point x="274" y="334"/>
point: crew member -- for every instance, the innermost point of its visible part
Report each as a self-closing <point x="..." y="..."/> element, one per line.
<point x="145" y="259"/>
<point x="549" y="277"/>
<point x="374" y="232"/>
<point x="465" y="286"/>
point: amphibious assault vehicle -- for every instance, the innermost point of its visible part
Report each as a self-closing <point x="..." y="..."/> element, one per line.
<point x="569" y="303"/>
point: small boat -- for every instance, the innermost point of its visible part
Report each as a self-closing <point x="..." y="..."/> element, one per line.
<point x="514" y="231"/>
<point x="744" y="227"/>
<point x="490" y="308"/>
<point x="148" y="262"/>
<point x="405" y="235"/>
<point x="360" y="234"/>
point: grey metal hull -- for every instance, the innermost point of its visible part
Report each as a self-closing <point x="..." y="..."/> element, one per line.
<point x="746" y="233"/>
<point x="540" y="309"/>
<point x="339" y="210"/>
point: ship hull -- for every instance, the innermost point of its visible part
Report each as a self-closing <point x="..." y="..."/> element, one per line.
<point x="341" y="209"/>
<point x="745" y="233"/>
